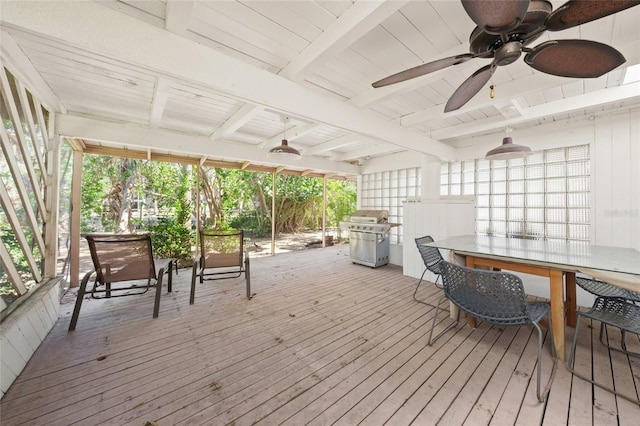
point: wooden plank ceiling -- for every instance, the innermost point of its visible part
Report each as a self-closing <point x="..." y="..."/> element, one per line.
<point x="213" y="80"/>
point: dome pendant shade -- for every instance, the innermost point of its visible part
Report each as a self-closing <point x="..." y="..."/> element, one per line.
<point x="284" y="151"/>
<point x="507" y="150"/>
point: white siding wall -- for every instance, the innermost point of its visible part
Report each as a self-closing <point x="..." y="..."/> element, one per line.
<point x="22" y="332"/>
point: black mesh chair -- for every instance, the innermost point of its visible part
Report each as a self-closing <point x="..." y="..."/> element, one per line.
<point x="604" y="289"/>
<point x="432" y="261"/>
<point x="615" y="312"/>
<point x="497" y="298"/>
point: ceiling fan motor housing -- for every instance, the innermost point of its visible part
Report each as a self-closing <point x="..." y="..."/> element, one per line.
<point x="508" y="53"/>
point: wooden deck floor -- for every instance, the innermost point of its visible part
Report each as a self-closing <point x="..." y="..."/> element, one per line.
<point x="323" y="342"/>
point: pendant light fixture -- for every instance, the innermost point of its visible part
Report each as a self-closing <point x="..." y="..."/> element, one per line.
<point x="508" y="149"/>
<point x="284" y="151"/>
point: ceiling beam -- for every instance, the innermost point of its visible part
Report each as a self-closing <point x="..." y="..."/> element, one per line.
<point x="177" y="142"/>
<point x="350" y="26"/>
<point x="237" y="120"/>
<point x="90" y="26"/>
<point x="20" y="66"/>
<point x="160" y="98"/>
<point x="291" y="134"/>
<point x="382" y="148"/>
<point x="355" y="22"/>
<point x="178" y="15"/>
<point x="332" y="144"/>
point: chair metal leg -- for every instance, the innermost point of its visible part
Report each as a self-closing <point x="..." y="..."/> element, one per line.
<point x="79" y="297"/>
<point x="247" y="276"/>
<point x="170" y="270"/>
<point x="623" y="345"/>
<point x="418" y="286"/>
<point x="194" y="272"/>
<point x="156" y="304"/>
<point x="435" y="317"/>
<point x="543" y="395"/>
<point x="571" y="368"/>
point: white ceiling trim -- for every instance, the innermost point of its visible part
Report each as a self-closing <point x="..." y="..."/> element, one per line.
<point x="90" y="25"/>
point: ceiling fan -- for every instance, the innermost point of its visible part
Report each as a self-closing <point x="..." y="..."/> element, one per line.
<point x="505" y="28"/>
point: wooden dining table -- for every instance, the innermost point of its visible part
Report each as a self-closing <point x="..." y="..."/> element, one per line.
<point x="557" y="260"/>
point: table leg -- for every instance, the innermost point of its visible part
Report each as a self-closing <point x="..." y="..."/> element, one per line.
<point x="557" y="312"/>
<point x="471" y="321"/>
<point x="570" y="295"/>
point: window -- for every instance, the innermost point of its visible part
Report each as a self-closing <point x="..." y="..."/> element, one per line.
<point x="545" y="195"/>
<point x="386" y="191"/>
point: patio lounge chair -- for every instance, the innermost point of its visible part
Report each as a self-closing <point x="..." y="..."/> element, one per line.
<point x="127" y="259"/>
<point x="221" y="256"/>
<point x="498" y="298"/>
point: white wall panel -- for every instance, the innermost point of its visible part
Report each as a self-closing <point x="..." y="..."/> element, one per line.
<point x="615" y="201"/>
<point x="22" y="332"/>
<point x="440" y="220"/>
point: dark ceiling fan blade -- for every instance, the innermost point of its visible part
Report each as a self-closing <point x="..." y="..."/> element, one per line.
<point x="423" y="69"/>
<point x="574" y="58"/>
<point x="470" y="87"/>
<point x="574" y="12"/>
<point x="495" y="16"/>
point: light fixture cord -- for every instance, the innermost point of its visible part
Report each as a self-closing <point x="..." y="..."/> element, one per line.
<point x="284" y="129"/>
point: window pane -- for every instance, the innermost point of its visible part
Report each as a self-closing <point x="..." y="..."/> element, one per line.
<point x="482" y="214"/>
<point x="556" y="215"/>
<point x="535" y="185"/>
<point x="482" y="201"/>
<point x="516" y="214"/>
<point x="544" y="195"/>
<point x="556" y="200"/>
<point x="579" y="216"/>
<point x="555" y="230"/>
<point x="578" y="232"/>
<point x="535" y="171"/>
<point x="556" y="185"/>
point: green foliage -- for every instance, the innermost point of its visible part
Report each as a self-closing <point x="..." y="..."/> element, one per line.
<point x="125" y="195"/>
<point x="341" y="201"/>
<point x="243" y="200"/>
<point x="18" y="259"/>
<point x="172" y="239"/>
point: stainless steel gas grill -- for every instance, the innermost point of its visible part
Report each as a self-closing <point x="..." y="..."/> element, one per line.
<point x="369" y="237"/>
